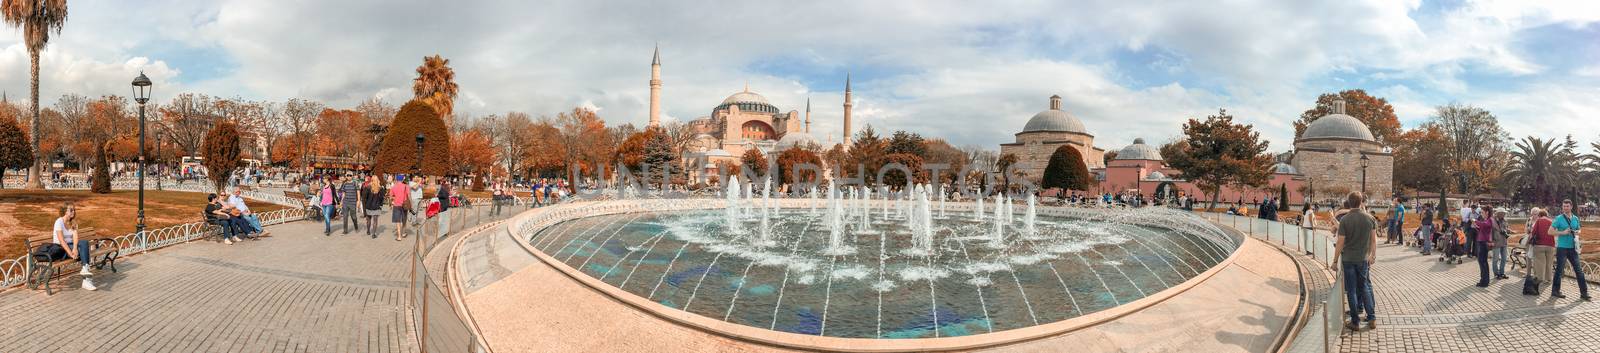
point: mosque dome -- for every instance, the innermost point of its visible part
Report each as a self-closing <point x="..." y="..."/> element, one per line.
<point x="1139" y="151"/>
<point x="1337" y="126"/>
<point x="796" y="139"/>
<point x="748" y="101"/>
<point x="1054" y="120"/>
<point x="1284" y="168"/>
<point x="1155" y="176"/>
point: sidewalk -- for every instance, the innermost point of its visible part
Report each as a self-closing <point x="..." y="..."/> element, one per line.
<point x="1425" y="305"/>
<point x="296" y="291"/>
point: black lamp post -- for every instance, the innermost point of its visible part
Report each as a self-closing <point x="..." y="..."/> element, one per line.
<point x="416" y="168"/>
<point x="141" y="94"/>
<point x="1364" y="162"/>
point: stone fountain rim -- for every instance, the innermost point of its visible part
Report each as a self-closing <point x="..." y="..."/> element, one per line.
<point x="567" y="211"/>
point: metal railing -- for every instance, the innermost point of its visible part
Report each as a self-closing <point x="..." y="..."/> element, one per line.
<point x="14" y="271"/>
<point x="442" y="326"/>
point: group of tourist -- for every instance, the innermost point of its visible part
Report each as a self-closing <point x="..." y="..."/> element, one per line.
<point x="233" y="215"/>
<point x="355" y="198"/>
<point x="1482" y="232"/>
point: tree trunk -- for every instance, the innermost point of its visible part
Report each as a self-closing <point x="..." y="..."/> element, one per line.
<point x="37" y="168"/>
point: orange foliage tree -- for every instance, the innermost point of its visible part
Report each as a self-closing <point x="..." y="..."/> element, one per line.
<point x="473" y="154"/>
<point x="221" y="151"/>
<point x="398" y="151"/>
<point x="1373" y="111"/>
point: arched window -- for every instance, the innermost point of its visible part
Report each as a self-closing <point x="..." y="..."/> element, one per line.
<point x="756" y="130"/>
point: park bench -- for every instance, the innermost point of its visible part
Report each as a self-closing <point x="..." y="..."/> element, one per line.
<point x="102" y="253"/>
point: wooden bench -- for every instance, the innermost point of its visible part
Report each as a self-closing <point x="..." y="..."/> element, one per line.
<point x="102" y="253"/>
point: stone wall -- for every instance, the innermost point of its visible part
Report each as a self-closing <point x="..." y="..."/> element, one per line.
<point x="1035" y="148"/>
<point x="1345" y="173"/>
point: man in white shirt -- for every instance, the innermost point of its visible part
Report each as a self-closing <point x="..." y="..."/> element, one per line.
<point x="237" y="202"/>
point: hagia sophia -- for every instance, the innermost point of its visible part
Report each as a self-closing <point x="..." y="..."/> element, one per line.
<point x="1328" y="158"/>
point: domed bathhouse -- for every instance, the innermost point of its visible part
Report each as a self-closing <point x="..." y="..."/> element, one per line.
<point x="1336" y="149"/>
<point x="1047" y="130"/>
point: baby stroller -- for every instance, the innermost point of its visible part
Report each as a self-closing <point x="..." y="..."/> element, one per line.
<point x="1456" y="248"/>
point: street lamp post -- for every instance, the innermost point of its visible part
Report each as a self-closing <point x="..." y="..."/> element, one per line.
<point x="1364" y="162"/>
<point x="141" y="94"/>
<point x="416" y="168"/>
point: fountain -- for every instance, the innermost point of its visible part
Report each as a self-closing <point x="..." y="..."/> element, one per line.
<point x="732" y="215"/>
<point x="1028" y="220"/>
<point x="998" y="237"/>
<point x="809" y="275"/>
<point x="977" y="213"/>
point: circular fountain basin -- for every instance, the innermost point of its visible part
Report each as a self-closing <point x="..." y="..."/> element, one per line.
<point x="879" y="284"/>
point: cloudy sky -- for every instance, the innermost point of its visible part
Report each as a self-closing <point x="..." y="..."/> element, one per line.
<point x="972" y="72"/>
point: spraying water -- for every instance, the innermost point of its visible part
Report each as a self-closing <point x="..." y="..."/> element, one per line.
<point x="1032" y="216"/>
<point x="731" y="215"/>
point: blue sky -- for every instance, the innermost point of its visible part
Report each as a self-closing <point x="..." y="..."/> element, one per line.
<point x="971" y="72"/>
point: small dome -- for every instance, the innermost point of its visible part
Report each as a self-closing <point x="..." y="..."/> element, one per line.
<point x="1155" y="176"/>
<point x="1284" y="168"/>
<point x="1054" y="119"/>
<point x="1139" y="151"/>
<point x="748" y="101"/>
<point x="795" y="139"/>
<point x="1337" y="125"/>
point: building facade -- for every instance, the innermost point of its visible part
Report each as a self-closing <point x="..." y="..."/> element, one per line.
<point x="1047" y="130"/>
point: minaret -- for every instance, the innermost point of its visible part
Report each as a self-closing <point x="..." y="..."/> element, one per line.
<point x="655" y="88"/>
<point x="808" y="115"/>
<point x="847" y="105"/>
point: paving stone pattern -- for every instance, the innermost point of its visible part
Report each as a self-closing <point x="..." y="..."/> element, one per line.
<point x="1425" y="305"/>
<point x="296" y="291"/>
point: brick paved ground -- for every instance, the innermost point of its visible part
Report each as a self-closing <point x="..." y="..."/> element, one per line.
<point x="1427" y="306"/>
<point x="297" y="291"/>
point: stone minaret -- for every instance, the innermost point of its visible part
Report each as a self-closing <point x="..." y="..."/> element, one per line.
<point x="847" y="105"/>
<point x="808" y="115"/>
<point x="655" y="88"/>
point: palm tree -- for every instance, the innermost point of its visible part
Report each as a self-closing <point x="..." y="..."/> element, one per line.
<point x="1543" y="169"/>
<point x="436" y="85"/>
<point x="36" y="18"/>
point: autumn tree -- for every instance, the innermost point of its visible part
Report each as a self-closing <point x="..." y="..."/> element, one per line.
<point x="341" y="132"/>
<point x="272" y="129"/>
<point x="221" y="151"/>
<point x="15" y="152"/>
<point x="866" y="154"/>
<point x="107" y="121"/>
<point x="1477" y="148"/>
<point x="435" y="86"/>
<point x="1217" y="152"/>
<point x="898" y="178"/>
<point x="37" y="19"/>
<point x="755" y="160"/>
<point x="789" y="162"/>
<point x="398" y="154"/>
<point x="1003" y="165"/>
<point x="630" y="153"/>
<point x="1420" y="155"/>
<point x="546" y="155"/>
<point x="299" y="118"/>
<point x="472" y="153"/>
<point x="1065" y="170"/>
<point x="514" y="145"/>
<point x="585" y="142"/>
<point x="940" y="152"/>
<point x="187" y="118"/>
<point x="1373" y="111"/>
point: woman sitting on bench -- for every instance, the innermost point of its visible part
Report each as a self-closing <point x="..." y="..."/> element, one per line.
<point x="217" y="213"/>
<point x="66" y="244"/>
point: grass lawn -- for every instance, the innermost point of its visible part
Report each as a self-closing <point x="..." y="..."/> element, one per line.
<point x="25" y="213"/>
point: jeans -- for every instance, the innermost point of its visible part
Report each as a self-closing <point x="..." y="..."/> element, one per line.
<point x="352" y="214"/>
<point x="1481" y="250"/>
<point x="1427" y="238"/>
<point x="1358" y="290"/>
<point x="83" y="252"/>
<point x="1498" y="263"/>
<point x="1394" y="232"/>
<point x="327" y="219"/>
<point x="255" y="223"/>
<point x="1563" y="257"/>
